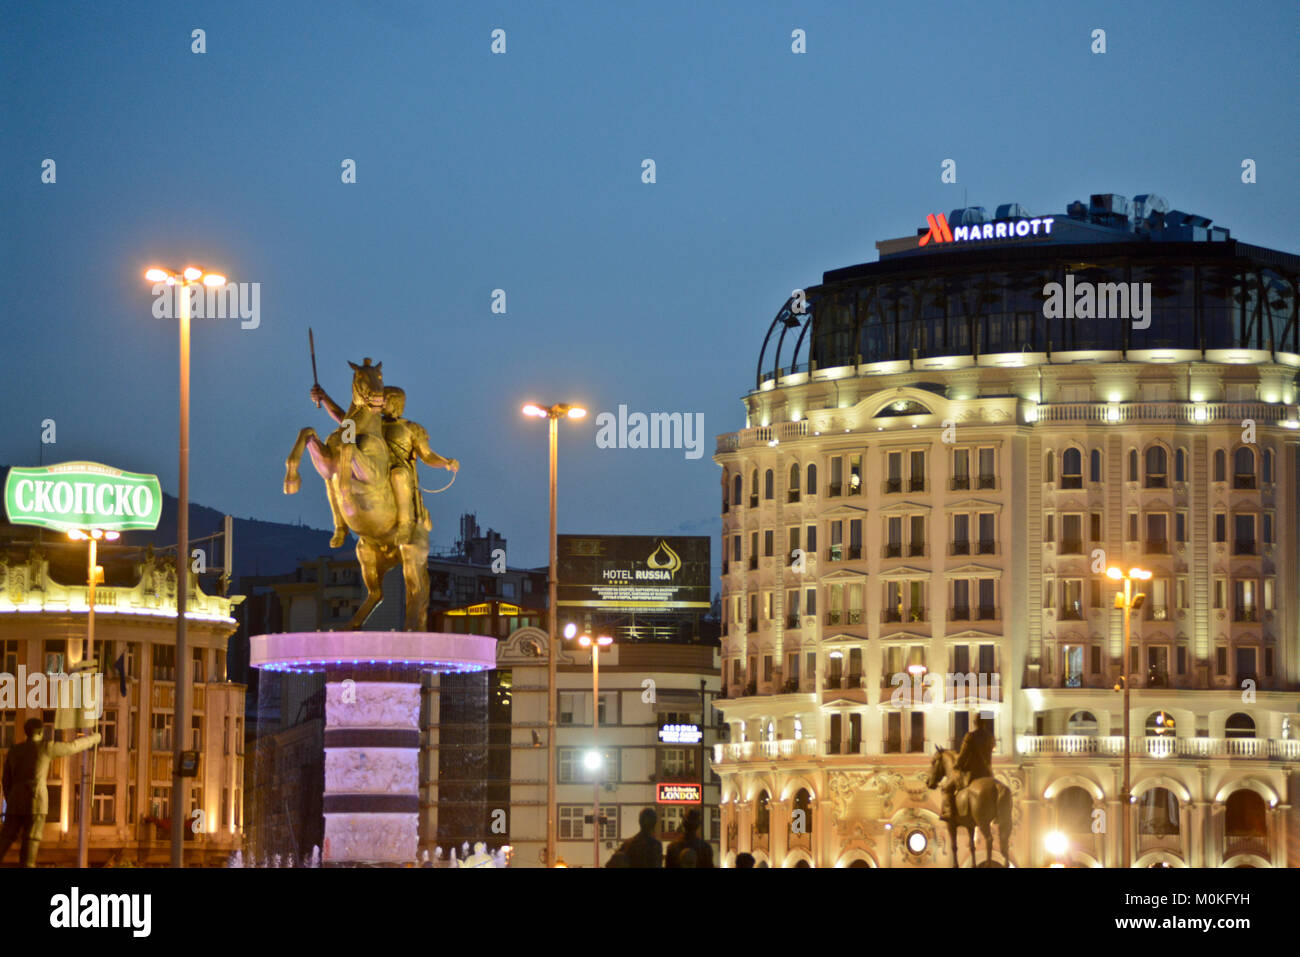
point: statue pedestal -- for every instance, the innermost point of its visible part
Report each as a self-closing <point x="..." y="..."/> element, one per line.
<point x="372" y="727"/>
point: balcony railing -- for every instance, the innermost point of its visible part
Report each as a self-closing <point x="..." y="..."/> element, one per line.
<point x="1071" y="481"/>
<point x="1157" y="546"/>
<point x="855" y="552"/>
<point x="753" y="563"/>
<point x="1260" y="749"/>
<point x="1243" y="481"/>
<point x="792" y="621"/>
<point x="1071" y="546"/>
<point x="987" y="613"/>
<point x="988" y="482"/>
<point x="916" y="548"/>
<point x="987" y="546"/>
<point x="960" y="613"/>
<point x="753" y="501"/>
<point x="893" y="485"/>
<point x="894" y="550"/>
<point x="785" y="748"/>
<point x="1178" y="412"/>
<point x="792" y="495"/>
<point x="916" y="485"/>
<point x="1241" y="547"/>
<point x="960" y="483"/>
<point x="753" y="624"/>
<point x="834" y="488"/>
<point x="960" y="548"/>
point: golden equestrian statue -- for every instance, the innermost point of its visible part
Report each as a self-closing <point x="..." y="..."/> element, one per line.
<point x="369" y="468"/>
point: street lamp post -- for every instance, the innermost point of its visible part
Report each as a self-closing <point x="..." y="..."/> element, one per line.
<point x="188" y="277"/>
<point x="553" y="414"/>
<point x="1129" y="602"/>
<point x="92" y="537"/>
<point x="595" y="645"/>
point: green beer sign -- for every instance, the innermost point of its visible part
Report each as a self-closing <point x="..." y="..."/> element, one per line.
<point x="82" y="495"/>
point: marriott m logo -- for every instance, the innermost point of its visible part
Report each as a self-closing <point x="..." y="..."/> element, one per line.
<point x="939" y="230"/>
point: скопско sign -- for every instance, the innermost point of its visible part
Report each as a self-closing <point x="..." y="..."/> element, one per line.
<point x="82" y="495"/>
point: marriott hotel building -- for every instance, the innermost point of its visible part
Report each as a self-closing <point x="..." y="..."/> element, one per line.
<point x="934" y="474"/>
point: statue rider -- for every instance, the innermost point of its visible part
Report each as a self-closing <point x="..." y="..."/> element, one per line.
<point x="974" y="761"/>
<point x="407" y="441"/>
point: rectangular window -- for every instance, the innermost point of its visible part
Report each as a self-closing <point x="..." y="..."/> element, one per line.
<point x="1049" y="592"/>
<point x="1133" y="527"/>
<point x="1049" y="527"/>
<point x="56" y="655"/>
<point x="855" y="539"/>
<point x="916" y="733"/>
<point x="961" y="659"/>
<point x="1268" y="528"/>
<point x="960" y="600"/>
<point x="1180" y="526"/>
<point x="988" y="608"/>
<point x="810" y="605"/>
<point x="961" y="534"/>
<point x="1243" y="541"/>
<point x="1071" y="534"/>
<point x="1095" y="662"/>
<point x="104" y="809"/>
<point x="1157" y="534"/>
<point x="1221" y="661"/>
<point x="960" y="469"/>
<point x="769" y="543"/>
<point x="837" y="476"/>
<point x="568" y="708"/>
<point x="893" y="743"/>
<point x="988" y="534"/>
<point x="855" y="474"/>
<point x="917" y="481"/>
<point x="1220" y="527"/>
<point x="1182" y="661"/>
<point x="893" y="536"/>
<point x="1095" y="527"/>
<point x="894" y="472"/>
<point x="1220" y="593"/>
<point x="987" y="478"/>
<point x="836" y="552"/>
<point x="916" y="541"/>
<point x="1094" y="587"/>
<point x="571" y="821"/>
<point x="810" y="544"/>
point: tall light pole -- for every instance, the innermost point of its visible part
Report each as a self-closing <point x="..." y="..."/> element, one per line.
<point x="595" y="644"/>
<point x="553" y="414"/>
<point x="1129" y="602"/>
<point x="92" y="536"/>
<point x="189" y="276"/>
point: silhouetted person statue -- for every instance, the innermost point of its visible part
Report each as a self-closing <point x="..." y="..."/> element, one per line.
<point x="26" y="799"/>
<point x="689" y="841"/>
<point x="974" y="760"/>
<point x="744" y="859"/>
<point x="644" y="850"/>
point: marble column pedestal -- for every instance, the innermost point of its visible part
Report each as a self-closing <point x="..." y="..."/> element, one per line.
<point x="372" y="728"/>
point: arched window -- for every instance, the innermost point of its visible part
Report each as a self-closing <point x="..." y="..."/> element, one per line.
<point x="802" y="802"/>
<point x="753" y="488"/>
<point x="1239" y="725"/>
<point x="1243" y="467"/>
<point x="793" y="494"/>
<point x="1245" y="824"/>
<point x="811" y="484"/>
<point x="769" y="484"/>
<point x="1074" y="811"/>
<point x="1132" y="465"/>
<point x="763" y="814"/>
<point x="1071" y="468"/>
<point x="1082" y="722"/>
<point x="802" y="863"/>
<point x="736" y="492"/>
<point x="725" y="489"/>
<point x="1158" y="812"/>
<point x="1049" y="467"/>
<point x="1220" y="466"/>
<point x="1096" y="466"/>
<point x="1160" y="724"/>
<point x="1180" y="466"/>
<point x="1157" y="467"/>
<point x="1268" y="467"/>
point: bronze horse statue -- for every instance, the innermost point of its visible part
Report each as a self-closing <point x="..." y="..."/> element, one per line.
<point x="983" y="802"/>
<point x="355" y="464"/>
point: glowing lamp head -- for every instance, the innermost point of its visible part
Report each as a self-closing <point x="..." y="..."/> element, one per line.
<point x="112" y="536"/>
<point x="156" y="275"/>
<point x="1114" y="573"/>
<point x="577" y="413"/>
<point x="214" y="279"/>
<point x="585" y="641"/>
<point x="76" y="535"/>
<point x="570" y="630"/>
<point x="1056" y="843"/>
<point x="1141" y="574"/>
<point x="604" y="640"/>
<point x="591" y="760"/>
<point x="192" y="273"/>
<point x="536" y="410"/>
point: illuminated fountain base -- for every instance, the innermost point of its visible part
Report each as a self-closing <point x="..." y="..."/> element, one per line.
<point x="372" y="727"/>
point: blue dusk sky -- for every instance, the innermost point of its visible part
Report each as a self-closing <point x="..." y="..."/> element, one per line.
<point x="522" y="171"/>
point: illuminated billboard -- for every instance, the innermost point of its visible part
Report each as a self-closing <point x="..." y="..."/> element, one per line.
<point x="629" y="572"/>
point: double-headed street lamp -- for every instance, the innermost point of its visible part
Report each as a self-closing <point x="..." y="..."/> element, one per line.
<point x="553" y="414"/>
<point x="595" y="644"/>
<point x="1129" y="601"/>
<point x="188" y="277"/>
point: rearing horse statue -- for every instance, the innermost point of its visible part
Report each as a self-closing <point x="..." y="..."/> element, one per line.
<point x="983" y="802"/>
<point x="355" y="462"/>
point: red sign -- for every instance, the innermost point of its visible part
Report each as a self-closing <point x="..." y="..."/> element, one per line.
<point x="939" y="230"/>
<point x="678" y="794"/>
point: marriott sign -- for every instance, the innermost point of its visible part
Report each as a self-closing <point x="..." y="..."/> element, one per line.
<point x="941" y="232"/>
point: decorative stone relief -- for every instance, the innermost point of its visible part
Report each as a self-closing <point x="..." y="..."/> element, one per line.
<point x="371" y="837"/>
<point x="371" y="771"/>
<point x="378" y="704"/>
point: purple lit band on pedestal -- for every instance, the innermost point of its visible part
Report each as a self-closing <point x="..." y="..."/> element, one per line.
<point x="372" y="727"/>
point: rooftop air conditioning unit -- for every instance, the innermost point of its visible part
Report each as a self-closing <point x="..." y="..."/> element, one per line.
<point x="1012" y="211"/>
<point x="970" y="216"/>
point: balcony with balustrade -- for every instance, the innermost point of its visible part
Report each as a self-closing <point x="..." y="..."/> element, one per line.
<point x="785" y="749"/>
<point x="1151" y="746"/>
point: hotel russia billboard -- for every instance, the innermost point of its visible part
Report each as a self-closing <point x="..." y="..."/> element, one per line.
<point x="646" y="587"/>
